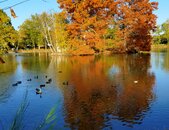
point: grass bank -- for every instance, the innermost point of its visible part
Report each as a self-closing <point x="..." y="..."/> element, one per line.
<point x="34" y="50"/>
<point x="159" y="46"/>
<point x="154" y="47"/>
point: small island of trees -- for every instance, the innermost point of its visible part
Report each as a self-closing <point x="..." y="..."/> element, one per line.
<point x="85" y="27"/>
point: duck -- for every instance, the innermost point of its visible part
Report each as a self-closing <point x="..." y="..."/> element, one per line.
<point x="65" y="83"/>
<point x="36" y="77"/>
<point x="47" y="82"/>
<point x="16" y="84"/>
<point x="38" y="91"/>
<point x="42" y="85"/>
<point x="50" y="80"/>
<point x="19" y="82"/>
<point x="29" y="80"/>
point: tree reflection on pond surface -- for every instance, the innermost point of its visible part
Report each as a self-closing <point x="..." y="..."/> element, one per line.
<point x="106" y="88"/>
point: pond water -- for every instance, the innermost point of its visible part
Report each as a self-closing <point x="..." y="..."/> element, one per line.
<point x="120" y="92"/>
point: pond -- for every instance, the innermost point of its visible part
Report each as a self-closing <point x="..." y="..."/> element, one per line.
<point x="120" y="92"/>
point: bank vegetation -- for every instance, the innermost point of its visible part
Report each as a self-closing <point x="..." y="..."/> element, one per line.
<point x="84" y="28"/>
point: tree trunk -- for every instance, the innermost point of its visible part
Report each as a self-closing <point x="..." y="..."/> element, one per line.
<point x="46" y="36"/>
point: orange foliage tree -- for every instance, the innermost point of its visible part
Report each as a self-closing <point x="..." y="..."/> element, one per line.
<point x="136" y="21"/>
<point x="89" y="21"/>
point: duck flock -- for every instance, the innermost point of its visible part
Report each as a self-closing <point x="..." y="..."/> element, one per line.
<point x="39" y="89"/>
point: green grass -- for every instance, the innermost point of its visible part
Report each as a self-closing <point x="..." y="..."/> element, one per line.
<point x="17" y="123"/>
<point x="49" y="121"/>
<point x="155" y="46"/>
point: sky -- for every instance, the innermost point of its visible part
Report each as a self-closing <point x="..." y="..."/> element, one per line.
<point x="28" y="8"/>
<point x="163" y="11"/>
<point x="25" y="10"/>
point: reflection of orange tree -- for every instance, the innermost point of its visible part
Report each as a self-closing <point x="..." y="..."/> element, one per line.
<point x="134" y="99"/>
<point x="92" y="94"/>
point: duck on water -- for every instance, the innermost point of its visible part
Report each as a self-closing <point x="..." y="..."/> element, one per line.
<point x="38" y="91"/>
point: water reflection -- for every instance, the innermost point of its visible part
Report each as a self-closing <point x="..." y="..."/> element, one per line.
<point x="162" y="59"/>
<point x="97" y="90"/>
<point x="9" y="66"/>
<point x="37" y="62"/>
<point x="13" y="71"/>
<point x="102" y="89"/>
<point x="6" y="71"/>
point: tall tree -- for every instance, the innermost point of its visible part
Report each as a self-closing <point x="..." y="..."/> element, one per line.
<point x="8" y="35"/>
<point x="165" y="30"/>
<point x="29" y="33"/>
<point x="60" y="33"/>
<point x="136" y="21"/>
<point x="47" y="29"/>
<point x="90" y="19"/>
<point x="37" y="31"/>
<point x="158" y="35"/>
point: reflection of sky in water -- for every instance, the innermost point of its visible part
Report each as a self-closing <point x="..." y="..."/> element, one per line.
<point x="101" y="91"/>
<point x="113" y="70"/>
<point x="11" y="96"/>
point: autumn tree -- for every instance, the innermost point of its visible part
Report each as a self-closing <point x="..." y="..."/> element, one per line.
<point x="136" y="22"/>
<point x="8" y="35"/>
<point x="89" y="21"/>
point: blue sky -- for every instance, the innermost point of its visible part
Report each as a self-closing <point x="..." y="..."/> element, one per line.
<point x="30" y="7"/>
<point x="25" y="10"/>
<point x="163" y="11"/>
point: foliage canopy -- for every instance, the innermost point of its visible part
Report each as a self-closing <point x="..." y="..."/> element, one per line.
<point x="90" y="21"/>
<point x="8" y="35"/>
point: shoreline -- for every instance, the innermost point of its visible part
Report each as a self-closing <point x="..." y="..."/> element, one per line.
<point x="34" y="50"/>
<point x="153" y="48"/>
<point x="159" y="46"/>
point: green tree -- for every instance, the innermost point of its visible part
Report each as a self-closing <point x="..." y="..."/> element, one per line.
<point x="47" y="29"/>
<point x="8" y="35"/>
<point x="165" y="29"/>
<point x="38" y="31"/>
<point x="157" y="35"/>
<point x="30" y="33"/>
<point x="61" y="35"/>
